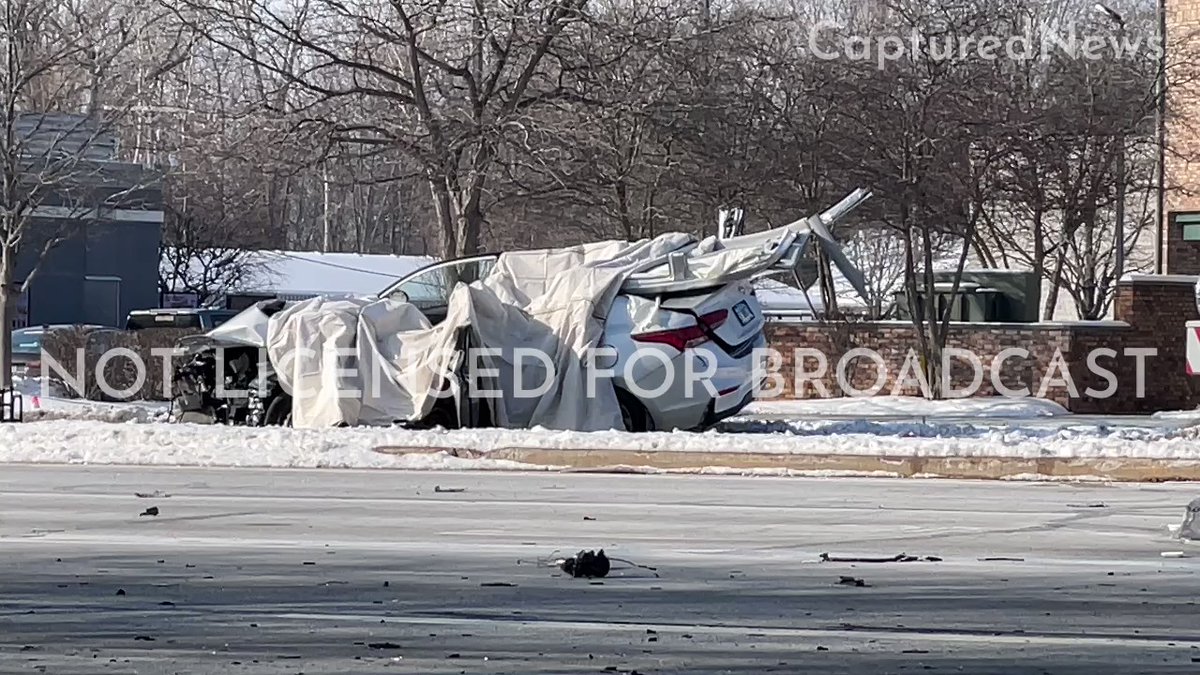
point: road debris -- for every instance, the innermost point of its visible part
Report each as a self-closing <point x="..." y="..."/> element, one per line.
<point x="157" y="494"/>
<point x="1000" y="559"/>
<point x="1190" y="528"/>
<point x="851" y="581"/>
<point x="587" y="564"/>
<point x="439" y="488"/>
<point x="1092" y="505"/>
<point x="900" y="557"/>
<point x="152" y="511"/>
<point x="1173" y="554"/>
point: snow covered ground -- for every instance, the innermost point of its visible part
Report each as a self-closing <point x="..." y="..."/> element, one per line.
<point x="39" y="407"/>
<point x="72" y="432"/>
<point x="997" y="407"/>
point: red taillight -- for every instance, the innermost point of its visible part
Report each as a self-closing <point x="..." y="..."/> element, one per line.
<point x="715" y="320"/>
<point x="689" y="336"/>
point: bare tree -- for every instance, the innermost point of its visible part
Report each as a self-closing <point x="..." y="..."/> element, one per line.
<point x="447" y="83"/>
<point x="880" y="254"/>
<point x="68" y="73"/>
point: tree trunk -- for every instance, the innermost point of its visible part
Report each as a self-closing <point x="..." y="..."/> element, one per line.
<point x="447" y="233"/>
<point x="469" y="225"/>
<point x="829" y="299"/>
<point x="8" y="258"/>
<point x="1055" y="285"/>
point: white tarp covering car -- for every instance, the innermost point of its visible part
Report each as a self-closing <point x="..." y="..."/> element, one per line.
<point x="535" y="321"/>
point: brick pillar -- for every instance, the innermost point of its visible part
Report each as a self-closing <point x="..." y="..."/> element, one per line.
<point x="1181" y="165"/>
<point x="1157" y="309"/>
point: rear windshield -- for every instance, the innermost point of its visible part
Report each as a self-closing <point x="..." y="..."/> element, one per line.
<point x="219" y="318"/>
<point x="141" y="321"/>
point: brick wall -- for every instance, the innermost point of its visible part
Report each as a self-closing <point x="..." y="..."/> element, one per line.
<point x="1150" y="311"/>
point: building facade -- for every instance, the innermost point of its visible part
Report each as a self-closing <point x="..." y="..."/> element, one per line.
<point x="1179" y="225"/>
<point x="91" y="243"/>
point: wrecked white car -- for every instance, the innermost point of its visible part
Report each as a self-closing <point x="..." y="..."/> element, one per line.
<point x="656" y="334"/>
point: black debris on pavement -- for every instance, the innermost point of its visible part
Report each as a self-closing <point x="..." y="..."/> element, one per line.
<point x="900" y="557"/>
<point x="587" y="564"/>
<point x="439" y="488"/>
<point x="152" y="511"/>
<point x="851" y="581"/>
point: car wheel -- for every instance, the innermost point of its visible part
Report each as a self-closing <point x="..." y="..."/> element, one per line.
<point x="444" y="414"/>
<point x="279" y="412"/>
<point x="633" y="413"/>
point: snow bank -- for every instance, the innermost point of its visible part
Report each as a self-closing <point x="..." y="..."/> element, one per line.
<point x="44" y="408"/>
<point x="94" y="442"/>
<point x="998" y="407"/>
<point x="1178" y="415"/>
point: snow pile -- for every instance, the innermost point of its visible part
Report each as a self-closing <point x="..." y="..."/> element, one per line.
<point x="41" y="407"/>
<point x="1178" y="415"/>
<point x="88" y="441"/>
<point x="93" y="442"/>
<point x="997" y="407"/>
<point x="61" y="409"/>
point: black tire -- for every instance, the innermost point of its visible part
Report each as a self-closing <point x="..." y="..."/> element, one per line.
<point x="633" y="413"/>
<point x="444" y="414"/>
<point x="279" y="412"/>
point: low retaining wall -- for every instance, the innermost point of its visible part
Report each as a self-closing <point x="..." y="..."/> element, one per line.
<point x="1073" y="363"/>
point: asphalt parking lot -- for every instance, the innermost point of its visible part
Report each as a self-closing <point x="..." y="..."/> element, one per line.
<point x="337" y="571"/>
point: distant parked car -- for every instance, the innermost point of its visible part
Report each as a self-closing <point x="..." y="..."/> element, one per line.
<point x="27" y="345"/>
<point x="203" y="319"/>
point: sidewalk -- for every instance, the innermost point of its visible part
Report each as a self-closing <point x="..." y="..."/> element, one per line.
<point x="1138" y="469"/>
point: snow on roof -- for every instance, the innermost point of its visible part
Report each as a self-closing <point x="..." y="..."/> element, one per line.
<point x="309" y="273"/>
<point x="302" y="273"/>
<point x="776" y="295"/>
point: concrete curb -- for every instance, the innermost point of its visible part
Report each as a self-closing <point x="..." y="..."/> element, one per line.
<point x="1135" y="469"/>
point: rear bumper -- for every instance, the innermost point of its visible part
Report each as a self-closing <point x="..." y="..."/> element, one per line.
<point x="714" y="415"/>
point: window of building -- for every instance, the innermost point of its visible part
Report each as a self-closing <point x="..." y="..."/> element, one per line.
<point x="1189" y="225"/>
